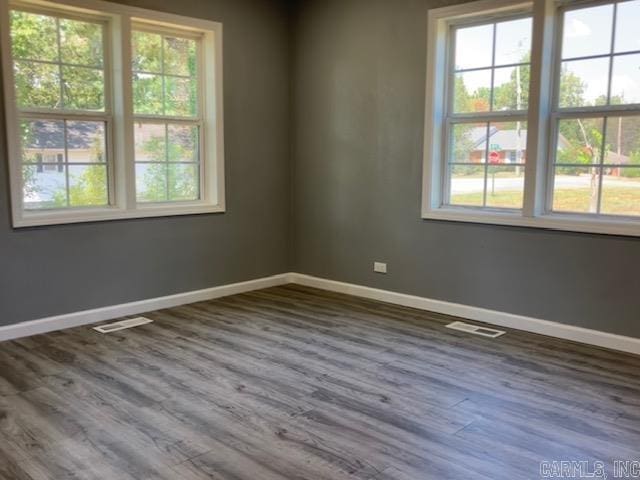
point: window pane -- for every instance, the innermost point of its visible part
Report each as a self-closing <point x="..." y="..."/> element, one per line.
<point x="88" y="185"/>
<point x="474" y="47"/>
<point x="45" y="180"/>
<point x="34" y="37"/>
<point x="580" y="141"/>
<point x="86" y="142"/>
<point x="625" y="79"/>
<point x="183" y="143"/>
<point x="151" y="182"/>
<point x="41" y="138"/>
<point x="40" y="84"/>
<point x="587" y="31"/>
<point x="513" y="41"/>
<point x="179" y="56"/>
<point x="147" y="94"/>
<point x="184" y="181"/>
<point x="83" y="88"/>
<point x="467" y="185"/>
<point x="37" y="84"/>
<point x="505" y="186"/>
<point x="44" y="187"/>
<point x="180" y="97"/>
<point x="150" y="142"/>
<point x="507" y="142"/>
<point x="584" y="82"/>
<point x="161" y="181"/>
<point x="575" y="189"/>
<point x="468" y="142"/>
<point x="511" y="88"/>
<point x="621" y="191"/>
<point x="81" y="43"/>
<point x="472" y="91"/>
<point x="147" y="52"/>
<point x="622" y="141"/>
<point x="171" y="88"/>
<point x="628" y="19"/>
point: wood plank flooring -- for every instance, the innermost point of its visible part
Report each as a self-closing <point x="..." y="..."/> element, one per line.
<point x="296" y="383"/>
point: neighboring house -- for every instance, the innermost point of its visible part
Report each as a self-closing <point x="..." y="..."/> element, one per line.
<point x="504" y="146"/>
<point x="45" y="145"/>
<point x="144" y="134"/>
<point x="615" y="158"/>
<point x="507" y="146"/>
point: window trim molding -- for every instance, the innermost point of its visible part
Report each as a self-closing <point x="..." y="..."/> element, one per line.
<point x="118" y="45"/>
<point x="534" y="213"/>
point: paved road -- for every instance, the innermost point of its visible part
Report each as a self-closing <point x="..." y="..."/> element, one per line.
<point x="475" y="185"/>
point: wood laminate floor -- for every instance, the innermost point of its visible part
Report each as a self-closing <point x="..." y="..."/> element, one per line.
<point x="296" y="383"/>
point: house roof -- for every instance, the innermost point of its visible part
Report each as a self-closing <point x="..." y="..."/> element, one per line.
<point x="499" y="139"/>
<point x="49" y="134"/>
<point x="614" y="157"/>
<point x="503" y="139"/>
<point x="508" y="140"/>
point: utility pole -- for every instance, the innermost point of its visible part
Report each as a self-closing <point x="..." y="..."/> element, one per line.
<point x="518" y="123"/>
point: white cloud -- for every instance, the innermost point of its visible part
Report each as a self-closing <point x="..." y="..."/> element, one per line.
<point x="576" y="28"/>
<point x="624" y="83"/>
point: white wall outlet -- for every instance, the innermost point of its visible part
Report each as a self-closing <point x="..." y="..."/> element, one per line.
<point x="379" y="267"/>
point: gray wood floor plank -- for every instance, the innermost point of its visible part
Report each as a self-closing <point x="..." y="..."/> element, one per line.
<point x="296" y="383"/>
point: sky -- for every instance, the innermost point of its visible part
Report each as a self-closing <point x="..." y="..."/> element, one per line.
<point x="587" y="32"/>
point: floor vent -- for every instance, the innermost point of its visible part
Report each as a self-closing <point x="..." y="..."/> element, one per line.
<point x="122" y="324"/>
<point x="476" y="330"/>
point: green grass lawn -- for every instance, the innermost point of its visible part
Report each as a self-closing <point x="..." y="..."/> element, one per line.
<point x="615" y="200"/>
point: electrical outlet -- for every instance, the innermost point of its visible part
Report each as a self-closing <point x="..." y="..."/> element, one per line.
<point x="379" y="267"/>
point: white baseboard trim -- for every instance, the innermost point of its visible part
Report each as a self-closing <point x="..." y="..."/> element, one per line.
<point x="493" y="317"/>
<point x="85" y="317"/>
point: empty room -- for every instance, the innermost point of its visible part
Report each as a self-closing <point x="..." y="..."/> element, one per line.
<point x="319" y="239"/>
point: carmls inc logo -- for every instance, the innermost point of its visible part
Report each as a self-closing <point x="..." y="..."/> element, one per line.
<point x="571" y="469"/>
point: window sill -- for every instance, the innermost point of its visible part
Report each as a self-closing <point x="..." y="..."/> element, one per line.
<point x="555" y="221"/>
<point x="35" y="219"/>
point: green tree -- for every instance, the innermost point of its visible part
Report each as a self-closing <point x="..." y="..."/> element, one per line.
<point x="571" y="93"/>
<point x="90" y="187"/>
<point x="155" y="174"/>
<point x="172" y="175"/>
<point x="514" y="95"/>
<point x="34" y="40"/>
<point x="634" y="160"/>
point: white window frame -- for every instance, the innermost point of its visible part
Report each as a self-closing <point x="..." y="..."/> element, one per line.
<point x="545" y="52"/>
<point x="119" y="107"/>
<point x="195" y="121"/>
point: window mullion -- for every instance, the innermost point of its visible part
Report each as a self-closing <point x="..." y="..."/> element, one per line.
<point x="66" y="162"/>
<point x="599" y="111"/>
<point x="448" y="92"/>
<point x="540" y="100"/>
<point x="484" y="117"/>
<point x="486" y="161"/>
<point x="600" y="166"/>
<point x="124" y="108"/>
<point x="55" y="115"/>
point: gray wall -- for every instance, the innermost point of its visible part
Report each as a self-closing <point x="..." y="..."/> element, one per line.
<point x="53" y="270"/>
<point x="358" y="117"/>
<point x="325" y="194"/>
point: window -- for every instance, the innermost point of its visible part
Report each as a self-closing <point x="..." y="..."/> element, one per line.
<point x="166" y="112"/>
<point x="487" y="124"/>
<point x="58" y="66"/>
<point x="597" y="158"/>
<point x="108" y="113"/>
<point x="533" y="115"/>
